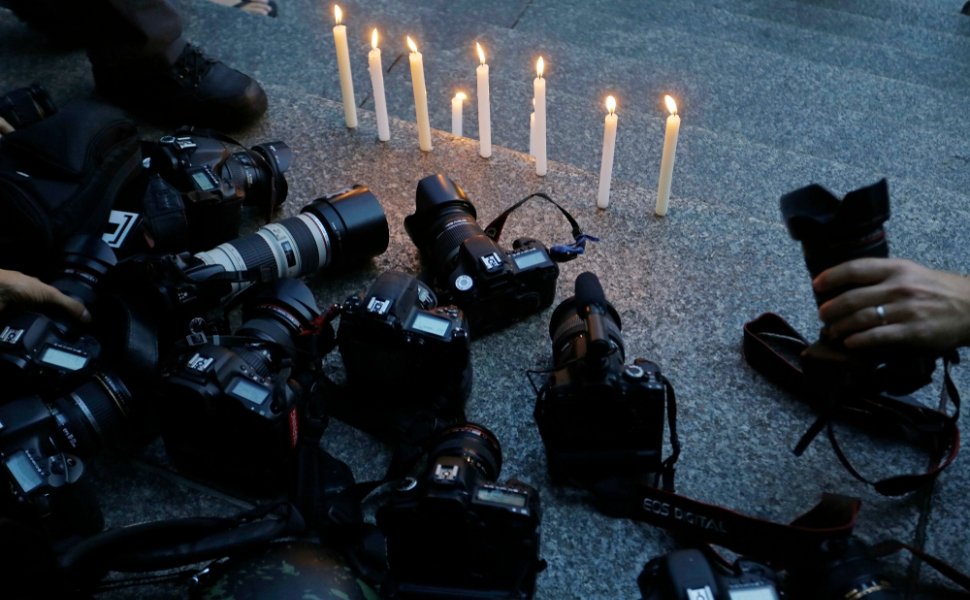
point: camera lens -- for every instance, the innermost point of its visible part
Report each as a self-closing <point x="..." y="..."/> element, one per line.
<point x="86" y="260"/>
<point x="94" y="414"/>
<point x="279" y="313"/>
<point x="842" y="569"/>
<point x="264" y="166"/>
<point x="330" y="232"/>
<point x="833" y="231"/>
<point x="475" y="444"/>
<point x="569" y="325"/>
<point x="442" y="220"/>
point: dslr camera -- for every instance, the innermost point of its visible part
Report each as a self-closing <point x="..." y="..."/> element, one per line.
<point x="193" y="188"/>
<point x="598" y="417"/>
<point x="689" y="575"/>
<point x="405" y="352"/>
<point x="43" y="441"/>
<point x="228" y="405"/>
<point x="51" y="350"/>
<point x="495" y="287"/>
<point x="833" y="231"/>
<point x="453" y="532"/>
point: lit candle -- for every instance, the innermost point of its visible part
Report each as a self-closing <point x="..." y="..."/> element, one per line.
<point x="377" y="81"/>
<point x="667" y="160"/>
<point x="457" y="104"/>
<point x="539" y="86"/>
<point x="484" y="110"/>
<point x="532" y="133"/>
<point x="420" y="97"/>
<point x="343" y="65"/>
<point x="609" y="145"/>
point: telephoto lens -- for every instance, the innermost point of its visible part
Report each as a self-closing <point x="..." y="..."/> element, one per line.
<point x="331" y="232"/>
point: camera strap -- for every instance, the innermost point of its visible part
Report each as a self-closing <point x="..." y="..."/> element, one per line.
<point x="775" y="349"/>
<point x="558" y="252"/>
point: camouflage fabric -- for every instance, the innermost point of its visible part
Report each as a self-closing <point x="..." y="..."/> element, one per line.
<point x="286" y="571"/>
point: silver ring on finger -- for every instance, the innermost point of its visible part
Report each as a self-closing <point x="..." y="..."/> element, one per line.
<point x="881" y="313"/>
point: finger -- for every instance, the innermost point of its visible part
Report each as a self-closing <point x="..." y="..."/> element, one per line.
<point x="852" y="301"/>
<point x="860" y="320"/>
<point x="862" y="271"/>
<point x="893" y="334"/>
<point x="45" y="294"/>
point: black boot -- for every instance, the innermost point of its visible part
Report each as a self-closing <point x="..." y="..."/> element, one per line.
<point x="195" y="90"/>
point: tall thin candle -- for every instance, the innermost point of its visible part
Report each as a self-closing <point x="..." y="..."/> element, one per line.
<point x="343" y="66"/>
<point x="484" y="108"/>
<point x="376" y="70"/>
<point x="539" y="87"/>
<point x="667" y="159"/>
<point x="609" y="145"/>
<point x="420" y="97"/>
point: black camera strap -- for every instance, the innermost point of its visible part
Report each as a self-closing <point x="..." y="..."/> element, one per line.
<point x="774" y="349"/>
<point x="558" y="252"/>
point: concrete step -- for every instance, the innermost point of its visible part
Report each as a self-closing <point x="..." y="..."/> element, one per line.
<point x="943" y="16"/>
<point x="904" y="61"/>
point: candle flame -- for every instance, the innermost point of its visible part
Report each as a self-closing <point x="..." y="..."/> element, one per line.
<point x="338" y="14"/>
<point x="461" y="96"/>
<point x="611" y="104"/>
<point x="481" y="53"/>
<point x="411" y="44"/>
<point x="671" y="105"/>
<point x="540" y="66"/>
<point x="373" y="39"/>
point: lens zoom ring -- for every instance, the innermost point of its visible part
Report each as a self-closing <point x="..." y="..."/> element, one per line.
<point x="255" y="251"/>
<point x="305" y="244"/>
<point x="451" y="236"/>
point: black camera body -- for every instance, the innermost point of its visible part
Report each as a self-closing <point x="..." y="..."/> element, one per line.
<point x="228" y="405"/>
<point x="495" y="287"/>
<point x="215" y="174"/>
<point x="688" y="574"/>
<point x="833" y="231"/>
<point x="403" y="352"/>
<point x="48" y="350"/>
<point x="455" y="533"/>
<point x="43" y="442"/>
<point x="597" y="416"/>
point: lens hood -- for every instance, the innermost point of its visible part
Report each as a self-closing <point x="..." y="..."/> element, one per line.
<point x="435" y="194"/>
<point x="355" y="223"/>
<point x="813" y="212"/>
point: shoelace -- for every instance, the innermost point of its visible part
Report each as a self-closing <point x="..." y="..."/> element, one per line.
<point x="192" y="65"/>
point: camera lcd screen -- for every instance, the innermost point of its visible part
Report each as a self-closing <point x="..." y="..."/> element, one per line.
<point x="429" y="324"/>
<point x="500" y="496"/>
<point x="249" y="391"/>
<point x="762" y="592"/>
<point x="62" y="359"/>
<point x="23" y="472"/>
<point x="204" y="181"/>
<point x="527" y="260"/>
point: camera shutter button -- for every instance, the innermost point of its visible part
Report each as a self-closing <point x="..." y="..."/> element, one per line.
<point x="633" y="372"/>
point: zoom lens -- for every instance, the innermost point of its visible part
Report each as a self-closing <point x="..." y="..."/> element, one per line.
<point x="280" y="313"/>
<point x="442" y="220"/>
<point x="330" y="232"/>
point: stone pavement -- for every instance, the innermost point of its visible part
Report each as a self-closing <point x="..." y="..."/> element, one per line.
<point x="774" y="95"/>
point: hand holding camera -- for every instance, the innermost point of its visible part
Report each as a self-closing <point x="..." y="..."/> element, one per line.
<point x="921" y="308"/>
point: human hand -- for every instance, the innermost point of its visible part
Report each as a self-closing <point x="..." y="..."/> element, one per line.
<point x="17" y="288"/>
<point x="921" y="308"/>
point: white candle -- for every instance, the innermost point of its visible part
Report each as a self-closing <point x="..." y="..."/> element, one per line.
<point x="539" y="87"/>
<point x="377" y="82"/>
<point x="667" y="160"/>
<point x="343" y="65"/>
<point x="484" y="108"/>
<point x="420" y="97"/>
<point x="609" y="145"/>
<point x="457" y="105"/>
